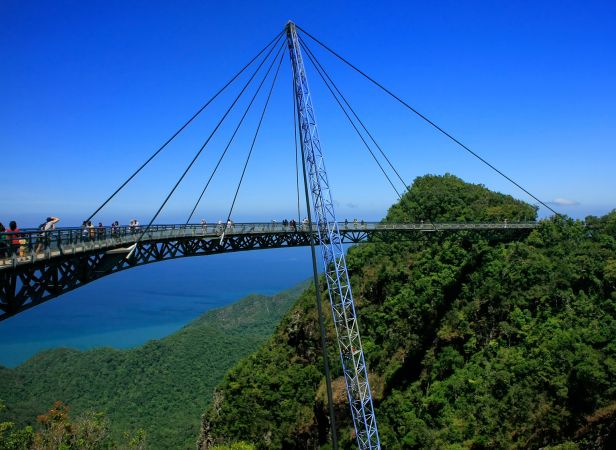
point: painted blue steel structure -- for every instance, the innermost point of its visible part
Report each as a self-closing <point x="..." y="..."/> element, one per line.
<point x="336" y="274"/>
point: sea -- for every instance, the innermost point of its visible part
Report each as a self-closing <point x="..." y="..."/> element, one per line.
<point x="129" y="308"/>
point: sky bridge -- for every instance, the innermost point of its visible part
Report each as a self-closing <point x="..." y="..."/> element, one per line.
<point x="44" y="265"/>
<point x="39" y="265"/>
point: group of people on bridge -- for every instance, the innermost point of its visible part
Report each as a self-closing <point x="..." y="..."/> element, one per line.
<point x="89" y="232"/>
<point x="13" y="242"/>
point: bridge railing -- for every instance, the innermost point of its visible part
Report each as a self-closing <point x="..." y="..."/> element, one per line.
<point x="34" y="241"/>
<point x="34" y="244"/>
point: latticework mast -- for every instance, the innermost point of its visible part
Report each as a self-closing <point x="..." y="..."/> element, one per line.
<point x="336" y="274"/>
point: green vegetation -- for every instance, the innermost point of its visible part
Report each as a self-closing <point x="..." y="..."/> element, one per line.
<point x="161" y="387"/>
<point x="57" y="430"/>
<point x="473" y="340"/>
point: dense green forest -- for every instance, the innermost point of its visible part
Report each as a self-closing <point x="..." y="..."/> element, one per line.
<point x="473" y="339"/>
<point x="156" y="393"/>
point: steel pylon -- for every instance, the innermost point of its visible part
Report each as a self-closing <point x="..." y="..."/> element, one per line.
<point x="336" y="274"/>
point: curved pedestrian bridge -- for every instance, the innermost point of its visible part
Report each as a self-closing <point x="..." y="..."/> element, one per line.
<point x="38" y="266"/>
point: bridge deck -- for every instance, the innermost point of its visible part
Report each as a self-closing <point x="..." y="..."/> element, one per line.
<point x="41" y="266"/>
<point x="39" y="246"/>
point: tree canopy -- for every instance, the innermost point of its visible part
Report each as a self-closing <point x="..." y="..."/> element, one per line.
<point x="473" y="340"/>
<point x="161" y="387"/>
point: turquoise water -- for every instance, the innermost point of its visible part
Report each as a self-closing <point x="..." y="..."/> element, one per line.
<point x="15" y="353"/>
<point x="129" y="308"/>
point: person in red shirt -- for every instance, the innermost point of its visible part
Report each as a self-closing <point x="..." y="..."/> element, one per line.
<point x="14" y="237"/>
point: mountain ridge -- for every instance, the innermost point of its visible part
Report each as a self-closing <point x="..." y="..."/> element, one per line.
<point x="160" y="386"/>
<point x="472" y="340"/>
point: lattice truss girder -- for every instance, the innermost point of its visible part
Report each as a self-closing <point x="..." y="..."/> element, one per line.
<point x="28" y="285"/>
<point x="336" y="275"/>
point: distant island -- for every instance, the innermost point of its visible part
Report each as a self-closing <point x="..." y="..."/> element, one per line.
<point x="158" y="390"/>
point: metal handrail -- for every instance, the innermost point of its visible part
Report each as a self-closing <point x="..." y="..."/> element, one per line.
<point x="34" y="244"/>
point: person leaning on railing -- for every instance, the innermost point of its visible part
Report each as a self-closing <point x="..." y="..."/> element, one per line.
<point x="43" y="238"/>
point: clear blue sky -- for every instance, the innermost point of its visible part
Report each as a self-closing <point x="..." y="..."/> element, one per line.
<point x="89" y="89"/>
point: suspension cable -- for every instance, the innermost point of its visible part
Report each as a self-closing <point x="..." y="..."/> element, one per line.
<point x="168" y="141"/>
<point x="254" y="140"/>
<point x="296" y="152"/>
<point x="351" y="122"/>
<point x="199" y="152"/>
<point x="426" y="119"/>
<point x="314" y="59"/>
<point x="235" y="132"/>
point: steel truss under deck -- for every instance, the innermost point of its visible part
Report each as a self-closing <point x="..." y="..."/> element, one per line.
<point x="29" y="284"/>
<point x="70" y="262"/>
<point x="336" y="274"/>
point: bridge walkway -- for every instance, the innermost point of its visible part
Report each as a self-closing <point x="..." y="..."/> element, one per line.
<point x="39" y="246"/>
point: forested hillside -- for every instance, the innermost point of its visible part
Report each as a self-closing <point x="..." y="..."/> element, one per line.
<point x="161" y="387"/>
<point x="473" y="340"/>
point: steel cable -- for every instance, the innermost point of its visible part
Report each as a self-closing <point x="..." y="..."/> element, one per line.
<point x="430" y="122"/>
<point x="254" y="140"/>
<point x="200" y="151"/>
<point x="234" y="133"/>
<point x="314" y="59"/>
<point x="351" y="122"/>
<point x="296" y="150"/>
<point x="161" y="148"/>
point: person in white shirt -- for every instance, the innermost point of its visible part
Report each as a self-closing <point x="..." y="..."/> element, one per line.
<point x="45" y="238"/>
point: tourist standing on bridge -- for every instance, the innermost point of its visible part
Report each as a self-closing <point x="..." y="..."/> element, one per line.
<point x="134" y="226"/>
<point x="91" y="230"/>
<point x="14" y="237"/>
<point x="44" y="239"/>
<point x="85" y="234"/>
<point x="101" y="230"/>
